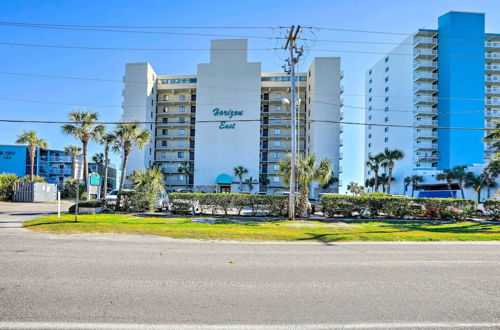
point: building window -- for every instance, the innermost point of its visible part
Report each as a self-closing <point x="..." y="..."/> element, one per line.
<point x="386" y="99"/>
<point x="277" y="131"/>
<point x="181" y="143"/>
<point x="277" y="96"/>
<point x="386" y="79"/>
<point x="370" y="90"/>
<point x="182" y="132"/>
<point x="369" y="126"/>
<point x="386" y="109"/>
<point x="370" y="81"/>
<point x="386" y="129"/>
<point x="164" y="132"/>
<point x="369" y="145"/>
<point x="277" y="108"/>
<point x="163" y="143"/>
<point x="276" y="167"/>
<point x="370" y="72"/>
<point x="180" y="178"/>
<point x="165" y="97"/>
<point x="277" y="120"/>
<point x="182" y="97"/>
<point x="370" y="108"/>
<point x="386" y="119"/>
<point x="369" y="136"/>
<point x="277" y="143"/>
<point x="370" y="117"/>
<point x="386" y="69"/>
<point x="370" y="99"/>
<point x="164" y="155"/>
<point x="165" y="109"/>
<point x="387" y="59"/>
<point x="276" y="179"/>
<point x="180" y="154"/>
<point x="182" y="120"/>
<point x="164" y="120"/>
<point x="386" y="139"/>
<point x="182" y="109"/>
<point x="386" y="89"/>
<point x="276" y="155"/>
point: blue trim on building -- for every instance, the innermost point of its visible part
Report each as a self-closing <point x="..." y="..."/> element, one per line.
<point x="461" y="83"/>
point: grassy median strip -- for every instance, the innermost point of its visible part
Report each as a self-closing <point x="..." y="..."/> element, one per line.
<point x="272" y="230"/>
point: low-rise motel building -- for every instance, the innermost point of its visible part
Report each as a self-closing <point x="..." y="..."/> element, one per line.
<point x="230" y="114"/>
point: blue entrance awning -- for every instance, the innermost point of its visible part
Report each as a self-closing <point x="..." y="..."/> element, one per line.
<point x="223" y="179"/>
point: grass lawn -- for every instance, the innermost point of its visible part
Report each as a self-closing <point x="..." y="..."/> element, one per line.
<point x="256" y="230"/>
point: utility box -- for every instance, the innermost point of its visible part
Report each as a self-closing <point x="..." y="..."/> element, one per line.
<point x="30" y="192"/>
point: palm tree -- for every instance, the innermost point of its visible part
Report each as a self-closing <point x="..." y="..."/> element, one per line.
<point x="355" y="188"/>
<point x="490" y="174"/>
<point x="370" y="183"/>
<point x="30" y="138"/>
<point x="407" y="182"/>
<point x="390" y="156"/>
<point x="415" y="180"/>
<point x="475" y="182"/>
<point x="107" y="141"/>
<point x="249" y="182"/>
<point x="333" y="179"/>
<point x="99" y="159"/>
<point x="459" y="174"/>
<point x="74" y="152"/>
<point x="128" y="135"/>
<point x="149" y="181"/>
<point x="85" y="129"/>
<point x="384" y="181"/>
<point x="307" y="170"/>
<point x="373" y="164"/>
<point x="186" y="169"/>
<point x="239" y="171"/>
<point x="448" y="176"/>
<point x="263" y="180"/>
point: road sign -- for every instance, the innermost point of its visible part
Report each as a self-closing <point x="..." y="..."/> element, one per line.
<point x="95" y="179"/>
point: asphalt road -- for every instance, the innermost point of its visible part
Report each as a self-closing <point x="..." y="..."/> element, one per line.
<point x="122" y="282"/>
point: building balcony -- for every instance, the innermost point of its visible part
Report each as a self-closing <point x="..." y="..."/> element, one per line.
<point x="425" y="135"/>
<point x="494" y="57"/>
<point x="492" y="44"/>
<point x="425" y="111"/>
<point x="490" y="68"/>
<point x="425" y="88"/>
<point x="425" y="123"/>
<point x="424" y="53"/>
<point x="427" y="158"/>
<point x="173" y="136"/>
<point x="176" y="148"/>
<point x="424" y="41"/>
<point x="492" y="79"/>
<point x="173" y="125"/>
<point x="424" y="76"/>
<point x="175" y="102"/>
<point x="419" y="64"/>
<point x="492" y="90"/>
<point x="425" y="146"/>
<point x="60" y="172"/>
<point x="60" y="159"/>
<point x="491" y="102"/>
<point x="492" y="114"/>
<point x="425" y="99"/>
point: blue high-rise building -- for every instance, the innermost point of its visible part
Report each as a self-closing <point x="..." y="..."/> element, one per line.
<point x="435" y="80"/>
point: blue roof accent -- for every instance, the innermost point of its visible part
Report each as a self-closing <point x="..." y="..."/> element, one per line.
<point x="437" y="194"/>
<point x="223" y="179"/>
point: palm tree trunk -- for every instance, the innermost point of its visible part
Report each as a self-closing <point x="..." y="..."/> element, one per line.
<point x="488" y="191"/>
<point x="85" y="164"/>
<point x="106" y="155"/>
<point x="187" y="178"/>
<point x="389" y="183"/>
<point x="73" y="166"/>
<point x="448" y="183"/>
<point x="32" y="162"/>
<point x="479" y="195"/>
<point x="122" y="179"/>
<point x="241" y="184"/>
<point x="412" y="189"/>
<point x="461" y="188"/>
<point x="376" y="180"/>
<point x="302" y="207"/>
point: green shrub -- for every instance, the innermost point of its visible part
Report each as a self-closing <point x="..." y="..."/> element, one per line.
<point x="7" y="181"/>
<point x="213" y="203"/>
<point x="397" y="207"/>
<point x="36" y="178"/>
<point x="134" y="201"/>
<point x="69" y="189"/>
<point x="492" y="208"/>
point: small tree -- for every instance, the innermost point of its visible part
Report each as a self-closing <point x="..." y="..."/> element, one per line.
<point x="390" y="156"/>
<point x="30" y="138"/>
<point x="448" y="176"/>
<point x="458" y="172"/>
<point x="307" y="170"/>
<point x="186" y="169"/>
<point x="249" y="182"/>
<point x="374" y="163"/>
<point x="355" y="188"/>
<point x="240" y="171"/>
<point x="475" y="182"/>
<point x="74" y="152"/>
<point x="7" y="181"/>
<point x="415" y="180"/>
<point x="107" y="140"/>
<point x="148" y="182"/>
<point x="370" y="183"/>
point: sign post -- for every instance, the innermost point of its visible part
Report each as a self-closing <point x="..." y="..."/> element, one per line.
<point x="58" y="205"/>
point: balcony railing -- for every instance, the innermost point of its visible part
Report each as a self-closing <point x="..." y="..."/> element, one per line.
<point x="492" y="44"/>
<point x="421" y="123"/>
<point x="425" y="75"/>
<point x="425" y="99"/>
<point x="491" y="67"/>
<point x="425" y="111"/>
<point x="425" y="146"/>
<point x="492" y="102"/>
<point x="424" y="87"/>
<point x="490" y="90"/>
<point x="493" y="56"/>
<point x="424" y="40"/>
<point x="425" y="134"/>
<point x="424" y="64"/>
<point x="492" y="79"/>
<point x="427" y="158"/>
<point x="425" y="51"/>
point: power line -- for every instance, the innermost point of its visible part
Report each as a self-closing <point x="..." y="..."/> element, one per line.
<point x="140" y="26"/>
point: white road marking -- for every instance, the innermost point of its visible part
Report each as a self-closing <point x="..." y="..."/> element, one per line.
<point x="123" y="326"/>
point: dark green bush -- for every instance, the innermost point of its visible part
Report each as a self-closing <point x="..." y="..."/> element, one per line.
<point x="213" y="203"/>
<point x="492" y="208"/>
<point x="134" y="201"/>
<point x="7" y="181"/>
<point x="398" y="207"/>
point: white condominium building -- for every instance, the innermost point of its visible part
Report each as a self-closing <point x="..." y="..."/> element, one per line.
<point x="230" y="114"/>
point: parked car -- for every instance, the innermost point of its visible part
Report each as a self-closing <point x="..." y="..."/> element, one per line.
<point x="112" y="196"/>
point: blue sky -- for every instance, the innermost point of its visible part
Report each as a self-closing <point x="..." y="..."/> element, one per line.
<point x="398" y="16"/>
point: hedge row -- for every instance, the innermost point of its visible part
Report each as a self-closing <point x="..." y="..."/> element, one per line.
<point x="492" y="208"/>
<point x="398" y="207"/>
<point x="213" y="203"/>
